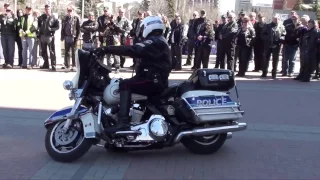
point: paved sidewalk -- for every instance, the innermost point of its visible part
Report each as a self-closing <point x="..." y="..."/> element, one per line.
<point x="282" y="140"/>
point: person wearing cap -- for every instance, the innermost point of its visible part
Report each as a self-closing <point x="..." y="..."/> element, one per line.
<point x="241" y="16"/>
<point x="291" y="45"/>
<point x="236" y="49"/>
<point x="258" y="47"/>
<point x="89" y="28"/>
<point x="223" y="22"/>
<point x="29" y="26"/>
<point x="70" y="32"/>
<point x="136" y="33"/>
<point x="125" y="28"/>
<point x="8" y="22"/>
<point x="196" y="29"/>
<point x="309" y="50"/>
<point x="273" y="35"/>
<point x="227" y="36"/>
<point x="191" y="40"/>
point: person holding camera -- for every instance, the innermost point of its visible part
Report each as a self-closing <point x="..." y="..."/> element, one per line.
<point x="8" y="23"/>
<point x="203" y="45"/>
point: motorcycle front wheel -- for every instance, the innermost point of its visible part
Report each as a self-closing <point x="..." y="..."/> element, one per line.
<point x="69" y="146"/>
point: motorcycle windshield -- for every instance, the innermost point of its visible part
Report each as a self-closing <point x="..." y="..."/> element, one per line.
<point x="84" y="62"/>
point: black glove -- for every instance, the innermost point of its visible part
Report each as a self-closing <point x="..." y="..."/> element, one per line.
<point x="99" y="52"/>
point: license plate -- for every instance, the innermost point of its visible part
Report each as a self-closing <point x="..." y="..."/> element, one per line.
<point x="224" y="77"/>
<point x="88" y="125"/>
<point x="213" y="77"/>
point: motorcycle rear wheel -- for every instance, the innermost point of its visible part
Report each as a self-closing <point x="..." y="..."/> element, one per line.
<point x="204" y="144"/>
<point x="55" y="139"/>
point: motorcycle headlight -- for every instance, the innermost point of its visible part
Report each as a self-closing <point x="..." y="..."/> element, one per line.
<point x="68" y="85"/>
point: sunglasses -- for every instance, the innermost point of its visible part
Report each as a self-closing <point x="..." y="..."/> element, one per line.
<point x="69" y="10"/>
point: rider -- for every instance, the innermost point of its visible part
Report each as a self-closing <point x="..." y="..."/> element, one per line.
<point x="153" y="72"/>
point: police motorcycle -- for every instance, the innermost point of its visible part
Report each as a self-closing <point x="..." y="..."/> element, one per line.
<point x="199" y="113"/>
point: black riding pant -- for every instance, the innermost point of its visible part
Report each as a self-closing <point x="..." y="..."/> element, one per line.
<point x="258" y="55"/>
<point x="227" y="48"/>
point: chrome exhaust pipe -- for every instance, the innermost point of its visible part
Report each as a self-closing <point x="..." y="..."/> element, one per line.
<point x="211" y="131"/>
<point x="229" y="135"/>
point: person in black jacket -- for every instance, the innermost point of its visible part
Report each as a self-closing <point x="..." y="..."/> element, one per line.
<point x="227" y="36"/>
<point x="244" y="41"/>
<point x="89" y="28"/>
<point x="309" y="50"/>
<point x="291" y="45"/>
<point x="70" y="32"/>
<point x="8" y="24"/>
<point x="191" y="40"/>
<point x="203" y="45"/>
<point x="48" y="25"/>
<point x="152" y="76"/>
<point x="272" y="35"/>
<point x="302" y="31"/>
<point x="224" y="21"/>
<point x="258" y="46"/>
<point x="135" y="32"/>
<point x="236" y="48"/>
<point x="102" y="26"/>
<point x="285" y="23"/>
<point x="177" y="39"/>
<point x="196" y="29"/>
<point x="18" y="38"/>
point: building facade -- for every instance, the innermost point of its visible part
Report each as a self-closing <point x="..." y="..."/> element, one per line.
<point x="213" y="3"/>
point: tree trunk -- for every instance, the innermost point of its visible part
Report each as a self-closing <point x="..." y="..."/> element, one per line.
<point x="171" y="8"/>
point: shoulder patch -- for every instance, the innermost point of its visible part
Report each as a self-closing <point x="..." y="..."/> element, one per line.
<point x="148" y="42"/>
<point x="140" y="44"/>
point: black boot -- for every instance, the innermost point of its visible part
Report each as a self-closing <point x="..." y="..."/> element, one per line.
<point x="124" y="119"/>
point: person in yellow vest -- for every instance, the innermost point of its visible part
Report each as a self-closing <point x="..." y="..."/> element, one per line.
<point x="29" y="26"/>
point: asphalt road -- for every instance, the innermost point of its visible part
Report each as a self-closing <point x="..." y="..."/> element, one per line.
<point x="281" y="142"/>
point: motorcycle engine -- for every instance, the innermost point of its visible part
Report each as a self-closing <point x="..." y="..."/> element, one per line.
<point x="153" y="130"/>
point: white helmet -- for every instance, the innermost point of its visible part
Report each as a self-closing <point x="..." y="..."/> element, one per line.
<point x="150" y="24"/>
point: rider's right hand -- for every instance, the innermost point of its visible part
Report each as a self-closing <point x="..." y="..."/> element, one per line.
<point x="100" y="52"/>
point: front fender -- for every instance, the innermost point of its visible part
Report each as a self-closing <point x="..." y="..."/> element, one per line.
<point x="62" y="114"/>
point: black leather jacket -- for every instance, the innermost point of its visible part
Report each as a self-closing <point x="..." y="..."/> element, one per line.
<point x="8" y="24"/>
<point x="48" y="27"/>
<point x="153" y="51"/>
<point x="88" y="28"/>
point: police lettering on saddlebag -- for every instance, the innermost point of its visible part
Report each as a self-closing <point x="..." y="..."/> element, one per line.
<point x="209" y="108"/>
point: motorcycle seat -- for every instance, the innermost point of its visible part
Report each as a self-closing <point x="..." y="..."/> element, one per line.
<point x="169" y="91"/>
